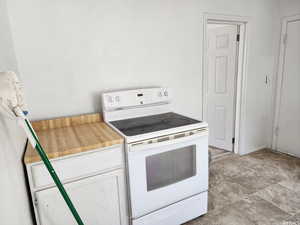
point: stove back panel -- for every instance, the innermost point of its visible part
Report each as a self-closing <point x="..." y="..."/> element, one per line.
<point x="134" y="103"/>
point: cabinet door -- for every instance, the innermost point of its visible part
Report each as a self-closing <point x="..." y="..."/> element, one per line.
<point x="100" y="200"/>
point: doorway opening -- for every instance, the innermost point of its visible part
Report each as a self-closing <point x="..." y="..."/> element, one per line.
<point x="224" y="83"/>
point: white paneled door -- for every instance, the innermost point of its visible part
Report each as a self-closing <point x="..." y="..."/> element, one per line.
<point x="222" y="59"/>
<point x="288" y="139"/>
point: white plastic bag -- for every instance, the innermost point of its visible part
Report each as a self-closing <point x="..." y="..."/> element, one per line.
<point x="11" y="94"/>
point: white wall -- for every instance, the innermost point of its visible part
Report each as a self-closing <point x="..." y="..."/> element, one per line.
<point x="289" y="7"/>
<point x="14" y="206"/>
<point x="68" y="52"/>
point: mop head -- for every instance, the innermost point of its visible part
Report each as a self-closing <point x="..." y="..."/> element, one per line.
<point x="11" y="95"/>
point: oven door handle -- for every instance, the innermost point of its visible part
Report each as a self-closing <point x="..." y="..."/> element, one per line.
<point x="146" y="146"/>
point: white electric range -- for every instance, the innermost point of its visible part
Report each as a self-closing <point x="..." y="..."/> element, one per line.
<point x="166" y="156"/>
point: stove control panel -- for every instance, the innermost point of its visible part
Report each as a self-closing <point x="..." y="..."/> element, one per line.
<point x="133" y="98"/>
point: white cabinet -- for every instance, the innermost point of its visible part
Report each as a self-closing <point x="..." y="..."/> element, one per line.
<point x="98" y="195"/>
<point x="98" y="200"/>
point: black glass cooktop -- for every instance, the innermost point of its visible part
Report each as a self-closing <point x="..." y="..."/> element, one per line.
<point x="147" y="124"/>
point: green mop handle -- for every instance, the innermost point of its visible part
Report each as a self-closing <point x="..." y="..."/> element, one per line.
<point x="35" y="141"/>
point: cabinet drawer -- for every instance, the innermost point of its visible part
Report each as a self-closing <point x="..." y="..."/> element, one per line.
<point x="77" y="166"/>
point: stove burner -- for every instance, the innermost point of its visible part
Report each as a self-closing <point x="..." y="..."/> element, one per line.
<point x="148" y="124"/>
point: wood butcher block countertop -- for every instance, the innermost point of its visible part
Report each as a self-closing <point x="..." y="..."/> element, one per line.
<point x="71" y="135"/>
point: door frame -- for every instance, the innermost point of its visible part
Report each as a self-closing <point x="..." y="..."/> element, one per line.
<point x="241" y="73"/>
<point x="280" y="71"/>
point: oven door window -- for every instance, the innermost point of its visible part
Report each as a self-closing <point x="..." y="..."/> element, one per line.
<point x="170" y="167"/>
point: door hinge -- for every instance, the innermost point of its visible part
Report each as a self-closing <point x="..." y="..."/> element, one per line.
<point x="35" y="202"/>
<point x="285" y="36"/>
<point x="233" y="140"/>
<point x="238" y="37"/>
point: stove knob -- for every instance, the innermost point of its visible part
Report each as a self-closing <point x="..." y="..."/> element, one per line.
<point x="166" y="93"/>
<point x="109" y="99"/>
<point x="117" y="98"/>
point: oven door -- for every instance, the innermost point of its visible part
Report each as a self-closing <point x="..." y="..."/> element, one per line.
<point x="166" y="172"/>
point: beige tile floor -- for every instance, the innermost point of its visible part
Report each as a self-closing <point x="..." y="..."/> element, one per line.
<point x="262" y="188"/>
<point x="217" y="153"/>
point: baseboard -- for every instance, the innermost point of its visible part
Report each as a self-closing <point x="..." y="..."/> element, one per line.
<point x="256" y="149"/>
